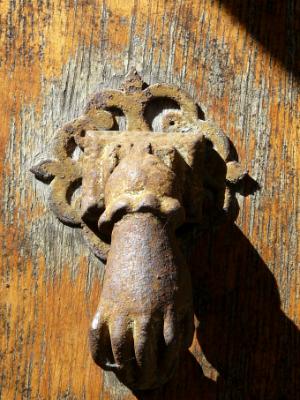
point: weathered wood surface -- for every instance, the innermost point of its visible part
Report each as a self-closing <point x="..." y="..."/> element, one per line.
<point x="239" y="60"/>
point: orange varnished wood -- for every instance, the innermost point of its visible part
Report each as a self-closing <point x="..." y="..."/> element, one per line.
<point x="240" y="62"/>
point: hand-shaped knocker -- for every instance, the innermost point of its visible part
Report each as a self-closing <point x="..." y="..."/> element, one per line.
<point x="137" y="188"/>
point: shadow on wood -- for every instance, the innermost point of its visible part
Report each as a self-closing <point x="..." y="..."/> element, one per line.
<point x="242" y="330"/>
<point x="275" y="24"/>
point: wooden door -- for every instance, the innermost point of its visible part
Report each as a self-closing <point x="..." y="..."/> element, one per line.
<point x="240" y="61"/>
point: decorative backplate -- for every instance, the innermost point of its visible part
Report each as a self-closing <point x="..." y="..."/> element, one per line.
<point x="134" y="101"/>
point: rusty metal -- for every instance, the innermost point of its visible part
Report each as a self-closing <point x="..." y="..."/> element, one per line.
<point x="129" y="191"/>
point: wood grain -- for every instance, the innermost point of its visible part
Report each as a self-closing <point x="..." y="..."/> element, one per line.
<point x="239" y="60"/>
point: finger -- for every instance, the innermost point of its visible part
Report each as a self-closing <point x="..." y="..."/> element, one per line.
<point x="123" y="349"/>
<point x="100" y="343"/>
<point x="170" y="327"/>
<point x="169" y="356"/>
<point x="178" y="337"/>
<point x="145" y="346"/>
